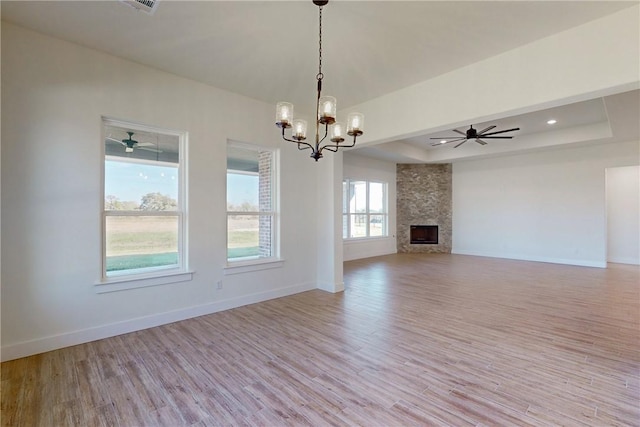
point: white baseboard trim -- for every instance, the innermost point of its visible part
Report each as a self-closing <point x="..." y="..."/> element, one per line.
<point x="578" y="262"/>
<point x="41" y="345"/>
<point x="617" y="260"/>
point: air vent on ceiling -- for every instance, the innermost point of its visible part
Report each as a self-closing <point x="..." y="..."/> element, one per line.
<point x="148" y="6"/>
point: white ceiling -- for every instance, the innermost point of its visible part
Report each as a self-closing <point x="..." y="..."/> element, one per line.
<point x="267" y="50"/>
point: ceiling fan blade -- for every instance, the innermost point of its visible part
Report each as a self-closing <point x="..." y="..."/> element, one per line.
<point x="443" y="143"/>
<point x="115" y="140"/>
<point x="481" y="142"/>
<point x="500" y="131"/>
<point x="486" y="129"/>
<point x="446" y="137"/>
<point x="461" y="143"/>
<point x="153" y="150"/>
<point x="495" y="137"/>
<point x="460" y="132"/>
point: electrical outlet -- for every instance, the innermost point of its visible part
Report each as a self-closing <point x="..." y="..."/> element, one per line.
<point x="219" y="284"/>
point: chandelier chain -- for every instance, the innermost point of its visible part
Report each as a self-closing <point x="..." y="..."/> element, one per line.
<point x="320" y="75"/>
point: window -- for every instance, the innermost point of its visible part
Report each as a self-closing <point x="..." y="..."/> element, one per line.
<point x="251" y="203"/>
<point x="144" y="203"/>
<point x="364" y="209"/>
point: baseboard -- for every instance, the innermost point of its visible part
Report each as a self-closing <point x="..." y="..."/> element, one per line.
<point x="41" y="345"/>
<point x="618" y="260"/>
<point x="578" y="262"/>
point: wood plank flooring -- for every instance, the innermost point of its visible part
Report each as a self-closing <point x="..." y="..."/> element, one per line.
<point x="415" y="340"/>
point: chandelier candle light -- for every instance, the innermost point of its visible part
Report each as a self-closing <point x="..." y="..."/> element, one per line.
<point x="325" y="115"/>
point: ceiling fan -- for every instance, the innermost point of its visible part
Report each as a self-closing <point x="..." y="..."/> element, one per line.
<point x="472" y="133"/>
<point x="130" y="143"/>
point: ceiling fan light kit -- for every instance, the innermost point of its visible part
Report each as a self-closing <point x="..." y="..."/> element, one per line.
<point x="130" y="143"/>
<point x="473" y="134"/>
<point x="326" y="113"/>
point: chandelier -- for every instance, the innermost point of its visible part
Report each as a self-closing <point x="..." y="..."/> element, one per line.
<point x="325" y="115"/>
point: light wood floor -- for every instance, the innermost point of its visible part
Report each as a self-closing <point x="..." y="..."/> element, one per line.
<point x="414" y="340"/>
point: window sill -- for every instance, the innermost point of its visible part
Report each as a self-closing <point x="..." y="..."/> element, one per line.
<point x="252" y="265"/>
<point x="114" y="284"/>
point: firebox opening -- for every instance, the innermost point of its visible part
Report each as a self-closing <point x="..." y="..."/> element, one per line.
<point x="424" y="234"/>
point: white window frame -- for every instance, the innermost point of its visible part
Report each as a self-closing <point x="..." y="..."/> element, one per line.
<point x="149" y="276"/>
<point x="253" y="263"/>
<point x="347" y="214"/>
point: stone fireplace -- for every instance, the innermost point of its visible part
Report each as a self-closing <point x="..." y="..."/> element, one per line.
<point x="423" y="208"/>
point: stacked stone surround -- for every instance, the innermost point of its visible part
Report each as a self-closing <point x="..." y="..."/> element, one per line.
<point x="424" y="198"/>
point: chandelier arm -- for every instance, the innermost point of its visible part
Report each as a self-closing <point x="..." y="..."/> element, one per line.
<point x="307" y="145"/>
<point x="338" y="146"/>
<point x="297" y="142"/>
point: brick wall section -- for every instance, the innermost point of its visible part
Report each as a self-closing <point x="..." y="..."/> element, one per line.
<point x="265" y="199"/>
<point x="424" y="198"/>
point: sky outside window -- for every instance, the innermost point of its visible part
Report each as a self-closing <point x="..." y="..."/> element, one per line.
<point x="130" y="181"/>
<point x="242" y="188"/>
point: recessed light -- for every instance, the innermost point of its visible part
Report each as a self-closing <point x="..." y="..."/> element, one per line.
<point x="552" y="122"/>
<point x="444" y="141"/>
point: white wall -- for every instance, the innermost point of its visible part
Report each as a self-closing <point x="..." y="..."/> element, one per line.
<point x="53" y="96"/>
<point x="360" y="167"/>
<point x="545" y="206"/>
<point x="623" y="214"/>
